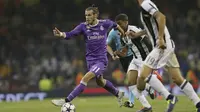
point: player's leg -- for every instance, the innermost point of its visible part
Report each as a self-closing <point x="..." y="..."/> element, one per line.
<point x="78" y="90"/>
<point x="186" y="87"/>
<point x="125" y="61"/>
<point x="106" y="84"/>
<point x="152" y="61"/>
<point x="132" y="76"/>
<point x="133" y="88"/>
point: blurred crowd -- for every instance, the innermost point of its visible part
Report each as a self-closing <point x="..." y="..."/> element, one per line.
<point x="29" y="52"/>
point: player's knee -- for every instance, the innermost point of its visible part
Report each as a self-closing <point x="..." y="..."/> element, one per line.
<point x="143" y="77"/>
<point x="141" y="84"/>
<point x="145" y="72"/>
<point x="132" y="77"/>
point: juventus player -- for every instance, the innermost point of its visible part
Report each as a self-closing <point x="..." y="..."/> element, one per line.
<point x="162" y="55"/>
<point x="140" y="47"/>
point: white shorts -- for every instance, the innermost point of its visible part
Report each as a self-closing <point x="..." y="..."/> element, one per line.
<point x="158" y="58"/>
<point x="135" y="64"/>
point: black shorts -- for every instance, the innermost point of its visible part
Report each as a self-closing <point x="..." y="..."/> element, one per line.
<point x="125" y="61"/>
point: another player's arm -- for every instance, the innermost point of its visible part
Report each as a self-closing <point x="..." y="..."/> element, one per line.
<point x="76" y="31"/>
<point x="161" y="20"/>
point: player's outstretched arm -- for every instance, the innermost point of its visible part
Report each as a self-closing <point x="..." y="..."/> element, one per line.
<point x="76" y="31"/>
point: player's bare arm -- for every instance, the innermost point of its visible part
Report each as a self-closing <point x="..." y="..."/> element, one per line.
<point x="134" y="35"/>
<point x="161" y="20"/>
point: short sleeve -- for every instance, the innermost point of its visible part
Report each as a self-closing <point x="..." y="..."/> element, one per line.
<point x="112" y="34"/>
<point x="149" y="6"/>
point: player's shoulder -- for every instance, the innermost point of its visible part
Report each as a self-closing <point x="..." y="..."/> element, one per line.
<point x="82" y="23"/>
<point x="104" y="20"/>
<point x="148" y="3"/>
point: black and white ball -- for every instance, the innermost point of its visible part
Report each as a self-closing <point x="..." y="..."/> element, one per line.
<point x="68" y="107"/>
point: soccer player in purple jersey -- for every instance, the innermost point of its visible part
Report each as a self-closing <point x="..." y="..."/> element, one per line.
<point x="95" y="35"/>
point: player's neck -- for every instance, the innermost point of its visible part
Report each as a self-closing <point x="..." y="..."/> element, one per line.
<point x="96" y="21"/>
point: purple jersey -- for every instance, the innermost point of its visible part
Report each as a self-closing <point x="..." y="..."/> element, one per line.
<point x="95" y="38"/>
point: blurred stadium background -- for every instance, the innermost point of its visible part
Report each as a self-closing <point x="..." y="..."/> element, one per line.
<point x="36" y="65"/>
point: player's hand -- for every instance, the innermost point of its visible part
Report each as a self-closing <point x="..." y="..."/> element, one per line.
<point x="114" y="56"/>
<point x="161" y="44"/>
<point x="58" y="33"/>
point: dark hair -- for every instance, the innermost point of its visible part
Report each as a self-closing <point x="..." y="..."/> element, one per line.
<point x="94" y="9"/>
<point x="122" y="17"/>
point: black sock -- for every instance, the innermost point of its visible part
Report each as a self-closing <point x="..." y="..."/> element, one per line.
<point x="66" y="100"/>
<point x="198" y="105"/>
<point x="170" y="97"/>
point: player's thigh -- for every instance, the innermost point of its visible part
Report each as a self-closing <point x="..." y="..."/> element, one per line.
<point x="174" y="70"/>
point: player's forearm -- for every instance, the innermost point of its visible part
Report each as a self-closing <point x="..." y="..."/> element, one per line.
<point x="68" y="35"/>
<point x="110" y="51"/>
<point x="161" y="20"/>
<point x="141" y="33"/>
<point x="138" y="34"/>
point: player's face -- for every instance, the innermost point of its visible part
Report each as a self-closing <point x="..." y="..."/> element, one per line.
<point x="122" y="24"/>
<point x="90" y="16"/>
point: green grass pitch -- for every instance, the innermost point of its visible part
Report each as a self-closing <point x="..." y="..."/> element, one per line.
<point x="93" y="104"/>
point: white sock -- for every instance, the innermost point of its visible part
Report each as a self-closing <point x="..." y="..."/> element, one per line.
<point x="139" y="96"/>
<point x="155" y="83"/>
<point x="187" y="88"/>
<point x="147" y="86"/>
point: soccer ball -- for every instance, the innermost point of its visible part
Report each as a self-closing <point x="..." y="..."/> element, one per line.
<point x="68" y="107"/>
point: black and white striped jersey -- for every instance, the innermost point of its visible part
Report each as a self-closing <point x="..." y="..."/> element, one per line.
<point x="140" y="46"/>
<point x="150" y="24"/>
